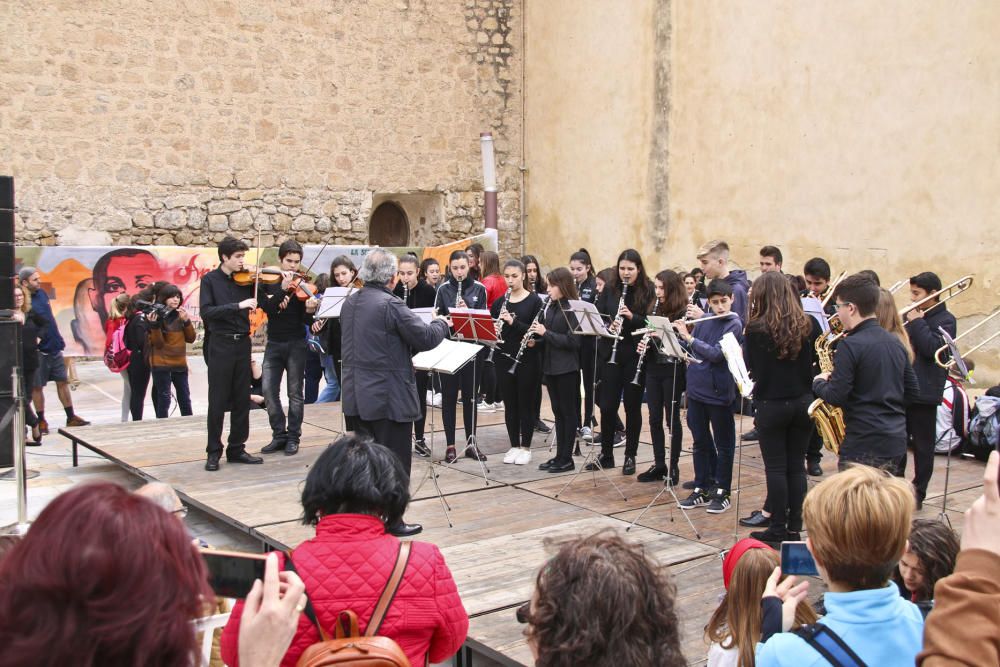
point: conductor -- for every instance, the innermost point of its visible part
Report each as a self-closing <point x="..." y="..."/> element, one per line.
<point x="379" y="336"/>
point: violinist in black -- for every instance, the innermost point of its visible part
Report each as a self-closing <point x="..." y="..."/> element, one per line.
<point x="586" y="285"/>
<point x="626" y="300"/>
<point x="514" y="313"/>
<point x="416" y="294"/>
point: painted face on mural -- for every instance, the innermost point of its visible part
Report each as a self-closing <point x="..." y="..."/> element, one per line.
<point x="126" y="274"/>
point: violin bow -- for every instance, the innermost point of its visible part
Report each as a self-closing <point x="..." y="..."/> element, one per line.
<point x="256" y="277"/>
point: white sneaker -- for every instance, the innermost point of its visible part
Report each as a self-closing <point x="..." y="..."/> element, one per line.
<point x="523" y="457"/>
<point x="437" y="400"/>
<point x="483" y="406"/>
<point x="586" y="434"/>
<point x="511" y="455"/>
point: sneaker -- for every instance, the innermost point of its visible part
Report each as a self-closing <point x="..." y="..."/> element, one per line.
<point x="719" y="503"/>
<point x="619" y="439"/>
<point x="523" y="457"/>
<point x="586" y="434"/>
<point x="697" y="498"/>
<point x="511" y="455"/>
<point x="755" y="520"/>
<point x="483" y="406"/>
<point x="771" y="535"/>
<point x="750" y="436"/>
<point x="421" y="448"/>
<point x="77" y="420"/>
<point x="542" y="427"/>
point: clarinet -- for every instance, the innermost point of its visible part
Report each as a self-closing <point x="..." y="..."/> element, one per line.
<point x="406" y="295"/>
<point x="617" y="324"/>
<point x="645" y="344"/>
<point x="458" y="293"/>
<point x="498" y="324"/>
<point x="529" y="336"/>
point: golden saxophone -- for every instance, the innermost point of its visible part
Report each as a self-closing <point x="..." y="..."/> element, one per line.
<point x="829" y="419"/>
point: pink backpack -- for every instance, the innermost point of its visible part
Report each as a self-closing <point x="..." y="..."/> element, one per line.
<point x="116" y="355"/>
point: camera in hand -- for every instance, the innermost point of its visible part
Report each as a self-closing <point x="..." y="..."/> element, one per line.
<point x="165" y="314"/>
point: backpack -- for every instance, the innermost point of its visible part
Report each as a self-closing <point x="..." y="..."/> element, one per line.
<point x="828" y="644"/>
<point x="952" y="418"/>
<point x="984" y="427"/>
<point x="349" y="646"/>
<point x="116" y="355"/>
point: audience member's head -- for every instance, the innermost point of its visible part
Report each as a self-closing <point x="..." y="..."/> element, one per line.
<point x="736" y="623"/>
<point x="858" y="522"/>
<point x="355" y="476"/>
<point x="930" y="555"/>
<point x="163" y="495"/>
<point x="104" y="577"/>
<point x="602" y="602"/>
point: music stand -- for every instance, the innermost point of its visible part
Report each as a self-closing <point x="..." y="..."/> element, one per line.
<point x="477" y="326"/>
<point x="733" y="353"/>
<point x="332" y="302"/>
<point x="665" y="342"/>
<point x="590" y="322"/>
<point x="963" y="371"/>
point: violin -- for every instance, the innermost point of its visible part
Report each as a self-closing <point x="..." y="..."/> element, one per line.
<point x="301" y="287"/>
<point x="246" y="276"/>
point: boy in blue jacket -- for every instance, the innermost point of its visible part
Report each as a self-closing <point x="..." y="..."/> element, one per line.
<point x="711" y="391"/>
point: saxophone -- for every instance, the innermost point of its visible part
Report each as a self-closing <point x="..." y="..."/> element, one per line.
<point x="498" y="323"/>
<point x="645" y="345"/>
<point x="829" y="419"/>
<point x="616" y="325"/>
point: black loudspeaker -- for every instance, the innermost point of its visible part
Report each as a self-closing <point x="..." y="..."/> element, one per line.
<point x="6" y="242"/>
<point x="10" y="355"/>
<point x="6" y="192"/>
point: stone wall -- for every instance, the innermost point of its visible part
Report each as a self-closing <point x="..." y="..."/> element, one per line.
<point x="178" y="122"/>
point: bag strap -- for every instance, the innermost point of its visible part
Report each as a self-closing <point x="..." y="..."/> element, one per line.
<point x="384" y="601"/>
<point x="828" y="644"/>
<point x="389" y="593"/>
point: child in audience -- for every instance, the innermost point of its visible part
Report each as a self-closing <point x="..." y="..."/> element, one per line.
<point x="858" y="522"/>
<point x="734" y="629"/>
<point x="710" y="393"/>
<point x="930" y="555"/>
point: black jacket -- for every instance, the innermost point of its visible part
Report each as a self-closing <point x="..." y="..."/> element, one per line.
<point x="284" y="324"/>
<point x="607" y="305"/>
<point x="473" y="293"/>
<point x="512" y="334"/>
<point x="421" y="296"/>
<point x="779" y="378"/>
<point x="872" y="381"/>
<point x="588" y="290"/>
<point x="34" y="324"/>
<point x="560" y="347"/>
<point x="925" y="339"/>
<point x="379" y="337"/>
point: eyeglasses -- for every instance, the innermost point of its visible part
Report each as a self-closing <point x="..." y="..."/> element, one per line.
<point x="181" y="513"/>
<point x="841" y="305"/>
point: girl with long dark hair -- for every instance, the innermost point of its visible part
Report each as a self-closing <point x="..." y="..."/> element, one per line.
<point x="665" y="381"/>
<point x="629" y="296"/>
<point x="585" y="281"/>
<point x="779" y="353"/>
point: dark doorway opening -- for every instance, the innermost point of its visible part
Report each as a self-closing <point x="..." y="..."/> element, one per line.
<point x="388" y="226"/>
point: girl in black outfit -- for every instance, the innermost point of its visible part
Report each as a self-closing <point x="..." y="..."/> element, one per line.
<point x="616" y="385"/>
<point x="136" y="340"/>
<point x="33" y="324"/>
<point x="586" y="284"/>
<point x="665" y="381"/>
<point x="517" y="389"/>
<point x="561" y="365"/>
<point x="343" y="273"/>
<point x="779" y="350"/>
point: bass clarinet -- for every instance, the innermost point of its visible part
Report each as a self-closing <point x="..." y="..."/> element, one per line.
<point x="529" y="336"/>
<point x="498" y="323"/>
<point x="616" y="325"/>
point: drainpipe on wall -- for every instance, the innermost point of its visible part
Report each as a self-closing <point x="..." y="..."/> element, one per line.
<point x="489" y="186"/>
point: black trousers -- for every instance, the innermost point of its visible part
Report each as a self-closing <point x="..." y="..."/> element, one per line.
<point x="466" y="380"/>
<point x="489" y="387"/>
<point x="588" y="368"/>
<point x="395" y="436"/>
<point x="616" y="387"/>
<point x="921" y="428"/>
<point x="664" y="385"/>
<point x="518" y="392"/>
<point x="814" y="451"/>
<point x="138" y="379"/>
<point x="281" y="357"/>
<point x="228" y="361"/>
<point x="894" y="465"/>
<point x="423" y="381"/>
<point x="783" y="430"/>
<point x="564" y="395"/>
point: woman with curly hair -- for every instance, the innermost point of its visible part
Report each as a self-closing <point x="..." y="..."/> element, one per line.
<point x="930" y="554"/>
<point x="779" y="352"/>
<point x="603" y="602"/>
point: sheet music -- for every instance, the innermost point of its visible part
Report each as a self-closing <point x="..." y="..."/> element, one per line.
<point x="590" y="322"/>
<point x="332" y="301"/>
<point x="814" y="308"/>
<point x="426" y="314"/>
<point x="737" y="366"/>
<point x="448" y="357"/>
<point x="956" y="354"/>
<point x="666" y="338"/>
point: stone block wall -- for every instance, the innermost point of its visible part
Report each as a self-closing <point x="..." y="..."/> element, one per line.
<point x="176" y="123"/>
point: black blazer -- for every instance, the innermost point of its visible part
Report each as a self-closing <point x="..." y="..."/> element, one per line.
<point x="561" y="347"/>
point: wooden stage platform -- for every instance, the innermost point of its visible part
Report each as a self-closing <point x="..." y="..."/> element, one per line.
<point x="501" y="521"/>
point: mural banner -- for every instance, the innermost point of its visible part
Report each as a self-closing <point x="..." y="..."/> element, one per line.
<point x="82" y="281"/>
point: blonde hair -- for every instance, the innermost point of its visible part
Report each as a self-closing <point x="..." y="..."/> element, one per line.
<point x="737" y="620"/>
<point x="858" y="523"/>
<point x="889" y="319"/>
<point x="715" y="249"/>
<point x="120" y="306"/>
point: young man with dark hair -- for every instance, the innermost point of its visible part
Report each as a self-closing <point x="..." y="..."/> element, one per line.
<point x="872" y="381"/>
<point x="287" y="319"/>
<point x="225" y="312"/>
<point x="770" y="259"/>
<point x="924" y="325"/>
<point x="817" y="274"/>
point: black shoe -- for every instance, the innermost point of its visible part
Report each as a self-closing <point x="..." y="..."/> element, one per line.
<point x="719" y="502"/>
<point x="403" y="529"/>
<point x="750" y="436"/>
<point x="654" y="474"/>
<point x="548" y="464"/>
<point x="605" y="462"/>
<point x="690" y="485"/>
<point x="472" y="452"/>
<point x="576" y="450"/>
<point x="542" y="427"/>
<point x="212" y="464"/>
<point x="814" y="469"/>
<point x="675" y="475"/>
<point x="755" y="520"/>
<point x="562" y="467"/>
<point x="450" y="456"/>
<point x="771" y="536"/>
<point x="243" y="457"/>
<point x="276" y="445"/>
<point x="292" y="448"/>
<point x="628" y="468"/>
<point x="421" y="448"/>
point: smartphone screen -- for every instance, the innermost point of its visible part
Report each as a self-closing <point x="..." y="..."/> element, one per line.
<point x="232" y="574"/>
<point x="796" y="559"/>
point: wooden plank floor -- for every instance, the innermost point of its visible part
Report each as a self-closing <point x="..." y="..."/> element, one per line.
<point x="504" y="517"/>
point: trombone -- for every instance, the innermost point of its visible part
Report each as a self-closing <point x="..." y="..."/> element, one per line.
<point x="950" y="363"/>
<point x="949" y="291"/>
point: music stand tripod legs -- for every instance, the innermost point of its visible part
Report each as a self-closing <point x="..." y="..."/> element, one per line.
<point x="592" y="457"/>
<point x="429" y="463"/>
